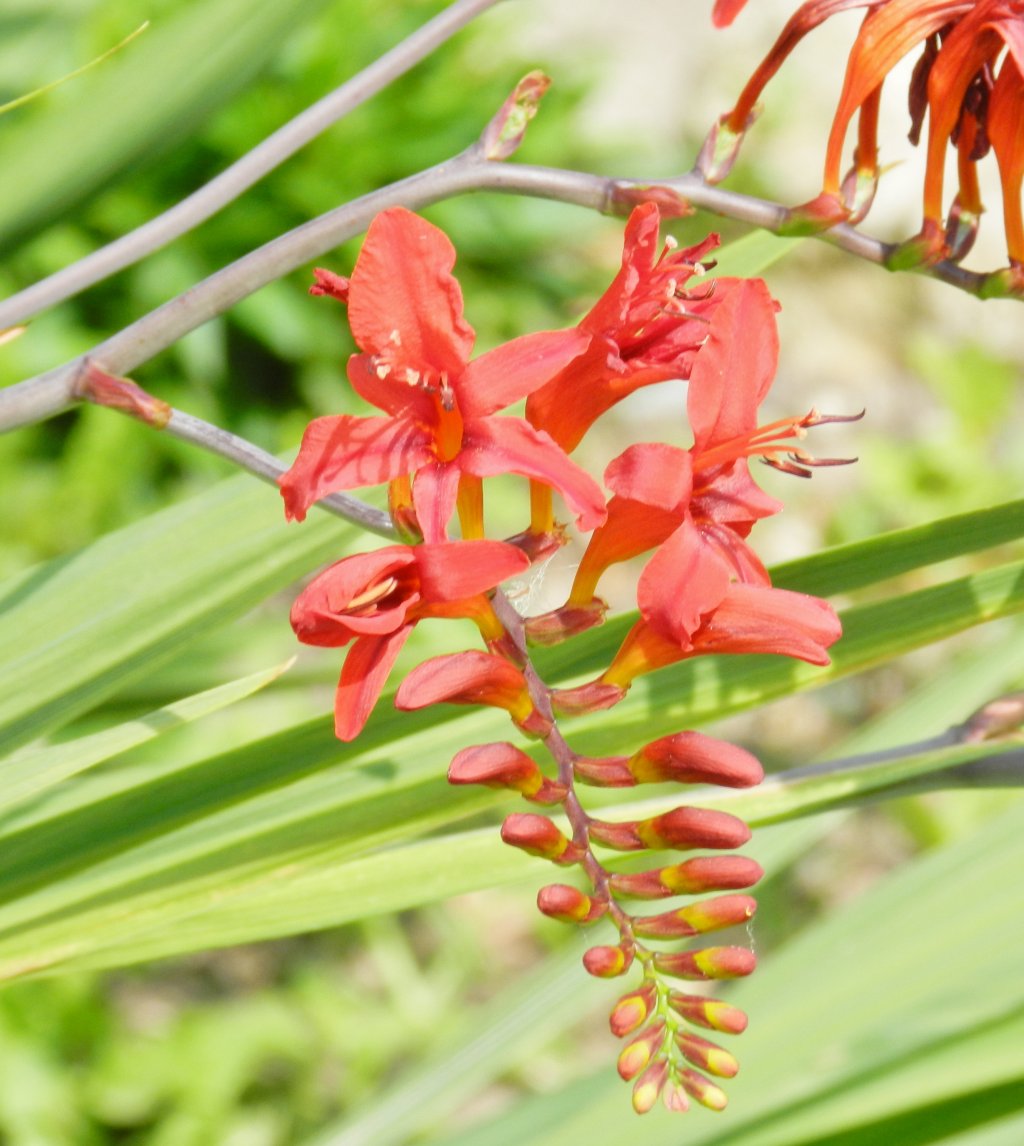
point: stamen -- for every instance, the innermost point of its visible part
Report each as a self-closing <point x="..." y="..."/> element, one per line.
<point x="382" y="370"/>
<point x="371" y="596"/>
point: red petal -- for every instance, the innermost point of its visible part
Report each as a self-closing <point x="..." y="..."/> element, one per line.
<point x="492" y="446"/>
<point x="725" y="11"/>
<point x="452" y="570"/>
<point x="363" y="677"/>
<point x="752" y="619"/>
<point x="342" y="452"/>
<point x="386" y="386"/>
<point x="735" y="367"/>
<point x="319" y="616"/>
<point x="631" y="528"/>
<point x="681" y="584"/>
<point x="404" y="303"/>
<point x="511" y="371"/>
<point x="464" y="678"/>
<point x="1006" y="113"/>
<point x="654" y="473"/>
<point x="434" y="494"/>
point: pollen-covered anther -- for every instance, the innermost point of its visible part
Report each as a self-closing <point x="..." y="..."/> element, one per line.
<point x="539" y="836"/>
<point x="569" y="904"/>
<point x="708" y="963"/>
<point x="606" y="962"/>
<point x="712" y="1014"/>
<point x="633" y="1010"/>
<point x="714" y="1059"/>
<point x="639" y="1052"/>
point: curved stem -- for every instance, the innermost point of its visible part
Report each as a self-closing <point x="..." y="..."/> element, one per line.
<point x="54" y="391"/>
<point x="237" y="178"/>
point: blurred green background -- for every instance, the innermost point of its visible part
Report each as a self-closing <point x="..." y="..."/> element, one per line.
<point x="270" y="1044"/>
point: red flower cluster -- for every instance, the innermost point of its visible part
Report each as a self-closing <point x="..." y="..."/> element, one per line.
<point x="968" y="81"/>
<point x="703" y="589"/>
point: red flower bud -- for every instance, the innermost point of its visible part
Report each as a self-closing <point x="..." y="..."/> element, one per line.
<point x="632" y="1010"/>
<point x="693" y="877"/>
<point x="714" y="1059"/>
<point x="708" y="963"/>
<point x="674" y="1097"/>
<point x="621" y="837"/>
<point x="608" y="962"/>
<point x="697" y="918"/>
<point x="504" y="766"/>
<point x="712" y="1014"/>
<point x="471" y="678"/>
<point x="565" y="903"/>
<point x="638" y="1052"/>
<point x="649" y="1085"/>
<point x="703" y="1090"/>
<point x="539" y="836"/>
<point x="595" y="696"/>
<point x="685" y="828"/>
<point x="692" y="758"/>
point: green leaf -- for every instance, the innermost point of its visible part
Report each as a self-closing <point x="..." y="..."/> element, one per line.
<point x="31" y="773"/>
<point x="151" y="94"/>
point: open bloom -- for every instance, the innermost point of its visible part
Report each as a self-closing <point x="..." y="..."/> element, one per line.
<point x="968" y="81"/>
<point x="405" y="309"/>
<point x="647" y="327"/>
<point x="374" y="601"/>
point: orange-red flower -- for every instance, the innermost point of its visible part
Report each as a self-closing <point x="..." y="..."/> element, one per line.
<point x="405" y="309"/>
<point x="374" y="600"/>
<point x="968" y="81"/>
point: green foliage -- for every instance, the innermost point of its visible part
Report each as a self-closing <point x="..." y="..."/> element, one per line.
<point x="156" y="804"/>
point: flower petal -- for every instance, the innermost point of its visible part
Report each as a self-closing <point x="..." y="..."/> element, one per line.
<point x="682" y="583"/>
<point x="452" y="570"/>
<point x="342" y="452"/>
<point x="404" y="303"/>
<point x="735" y="367"/>
<point x="434" y="493"/>
<point x="511" y="371"/>
<point x="388" y="387"/>
<point x="492" y="446"/>
<point x="323" y="612"/>
<point x="655" y="473"/>
<point x="363" y="677"/>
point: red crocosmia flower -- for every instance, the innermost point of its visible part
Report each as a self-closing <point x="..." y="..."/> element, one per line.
<point x="646" y="327"/>
<point x="405" y="309"/>
<point x="685" y="501"/>
<point x="954" y="79"/>
<point x="375" y="599"/>
<point x="748" y="619"/>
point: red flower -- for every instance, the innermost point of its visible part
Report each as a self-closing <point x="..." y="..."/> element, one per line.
<point x="375" y="599"/>
<point x="405" y="309"/>
<point x="645" y="328"/>
<point x="955" y="82"/>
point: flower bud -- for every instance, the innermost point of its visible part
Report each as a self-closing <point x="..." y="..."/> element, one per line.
<point x="649" y="1085"/>
<point x="697" y="918"/>
<point x="595" y="696"/>
<point x="703" y="1090"/>
<point x="638" y="1052"/>
<point x="608" y="962"/>
<point x="632" y="1010"/>
<point x="504" y="766"/>
<point x="567" y="904"/>
<point x="621" y="837"/>
<point x="692" y="758"/>
<point x="693" y="877"/>
<point x="674" y="1097"/>
<point x="708" y="963"/>
<point x="712" y="1014"/>
<point x="685" y="828"/>
<point x="539" y="836"/>
<point x="714" y="1059"/>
